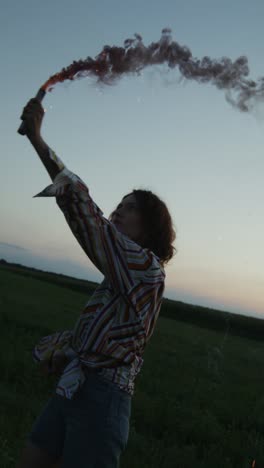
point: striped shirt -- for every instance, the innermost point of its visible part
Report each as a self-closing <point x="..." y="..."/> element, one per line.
<point x="116" y="323"/>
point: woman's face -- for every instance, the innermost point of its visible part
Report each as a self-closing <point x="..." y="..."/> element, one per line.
<point x="126" y="217"/>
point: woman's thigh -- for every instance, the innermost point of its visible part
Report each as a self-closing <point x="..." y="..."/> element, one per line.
<point x="97" y="426"/>
<point x="48" y="430"/>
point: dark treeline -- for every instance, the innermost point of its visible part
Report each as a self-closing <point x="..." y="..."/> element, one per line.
<point x="223" y="322"/>
<point x="58" y="279"/>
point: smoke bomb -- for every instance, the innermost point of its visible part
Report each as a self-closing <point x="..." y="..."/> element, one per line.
<point x="40" y="95"/>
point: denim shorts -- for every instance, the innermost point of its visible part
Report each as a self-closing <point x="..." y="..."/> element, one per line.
<point x="89" y="431"/>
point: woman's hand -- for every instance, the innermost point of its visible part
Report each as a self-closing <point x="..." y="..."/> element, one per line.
<point x="59" y="362"/>
<point x="32" y="115"/>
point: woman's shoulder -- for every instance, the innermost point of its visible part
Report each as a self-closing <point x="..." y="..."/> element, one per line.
<point x="156" y="266"/>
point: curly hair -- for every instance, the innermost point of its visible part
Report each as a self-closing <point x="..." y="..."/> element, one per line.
<point x="157" y="223"/>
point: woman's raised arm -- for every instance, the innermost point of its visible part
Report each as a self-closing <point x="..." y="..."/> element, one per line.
<point x="32" y="115"/>
<point x="122" y="261"/>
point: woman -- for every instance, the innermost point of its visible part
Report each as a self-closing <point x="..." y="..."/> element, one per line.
<point x="86" y="421"/>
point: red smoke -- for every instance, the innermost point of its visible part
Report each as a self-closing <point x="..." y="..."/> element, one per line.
<point x="113" y="62"/>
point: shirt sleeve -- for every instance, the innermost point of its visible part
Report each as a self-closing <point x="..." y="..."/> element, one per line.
<point x="122" y="261"/>
<point x="47" y="345"/>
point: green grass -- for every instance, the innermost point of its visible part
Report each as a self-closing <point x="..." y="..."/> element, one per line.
<point x="199" y="398"/>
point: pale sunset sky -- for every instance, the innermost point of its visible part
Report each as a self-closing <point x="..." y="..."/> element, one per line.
<point x="182" y="140"/>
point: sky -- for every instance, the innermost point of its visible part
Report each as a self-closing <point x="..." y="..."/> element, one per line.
<point x="182" y="140"/>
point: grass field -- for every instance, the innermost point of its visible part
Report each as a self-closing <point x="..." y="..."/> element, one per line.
<point x="199" y="399"/>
